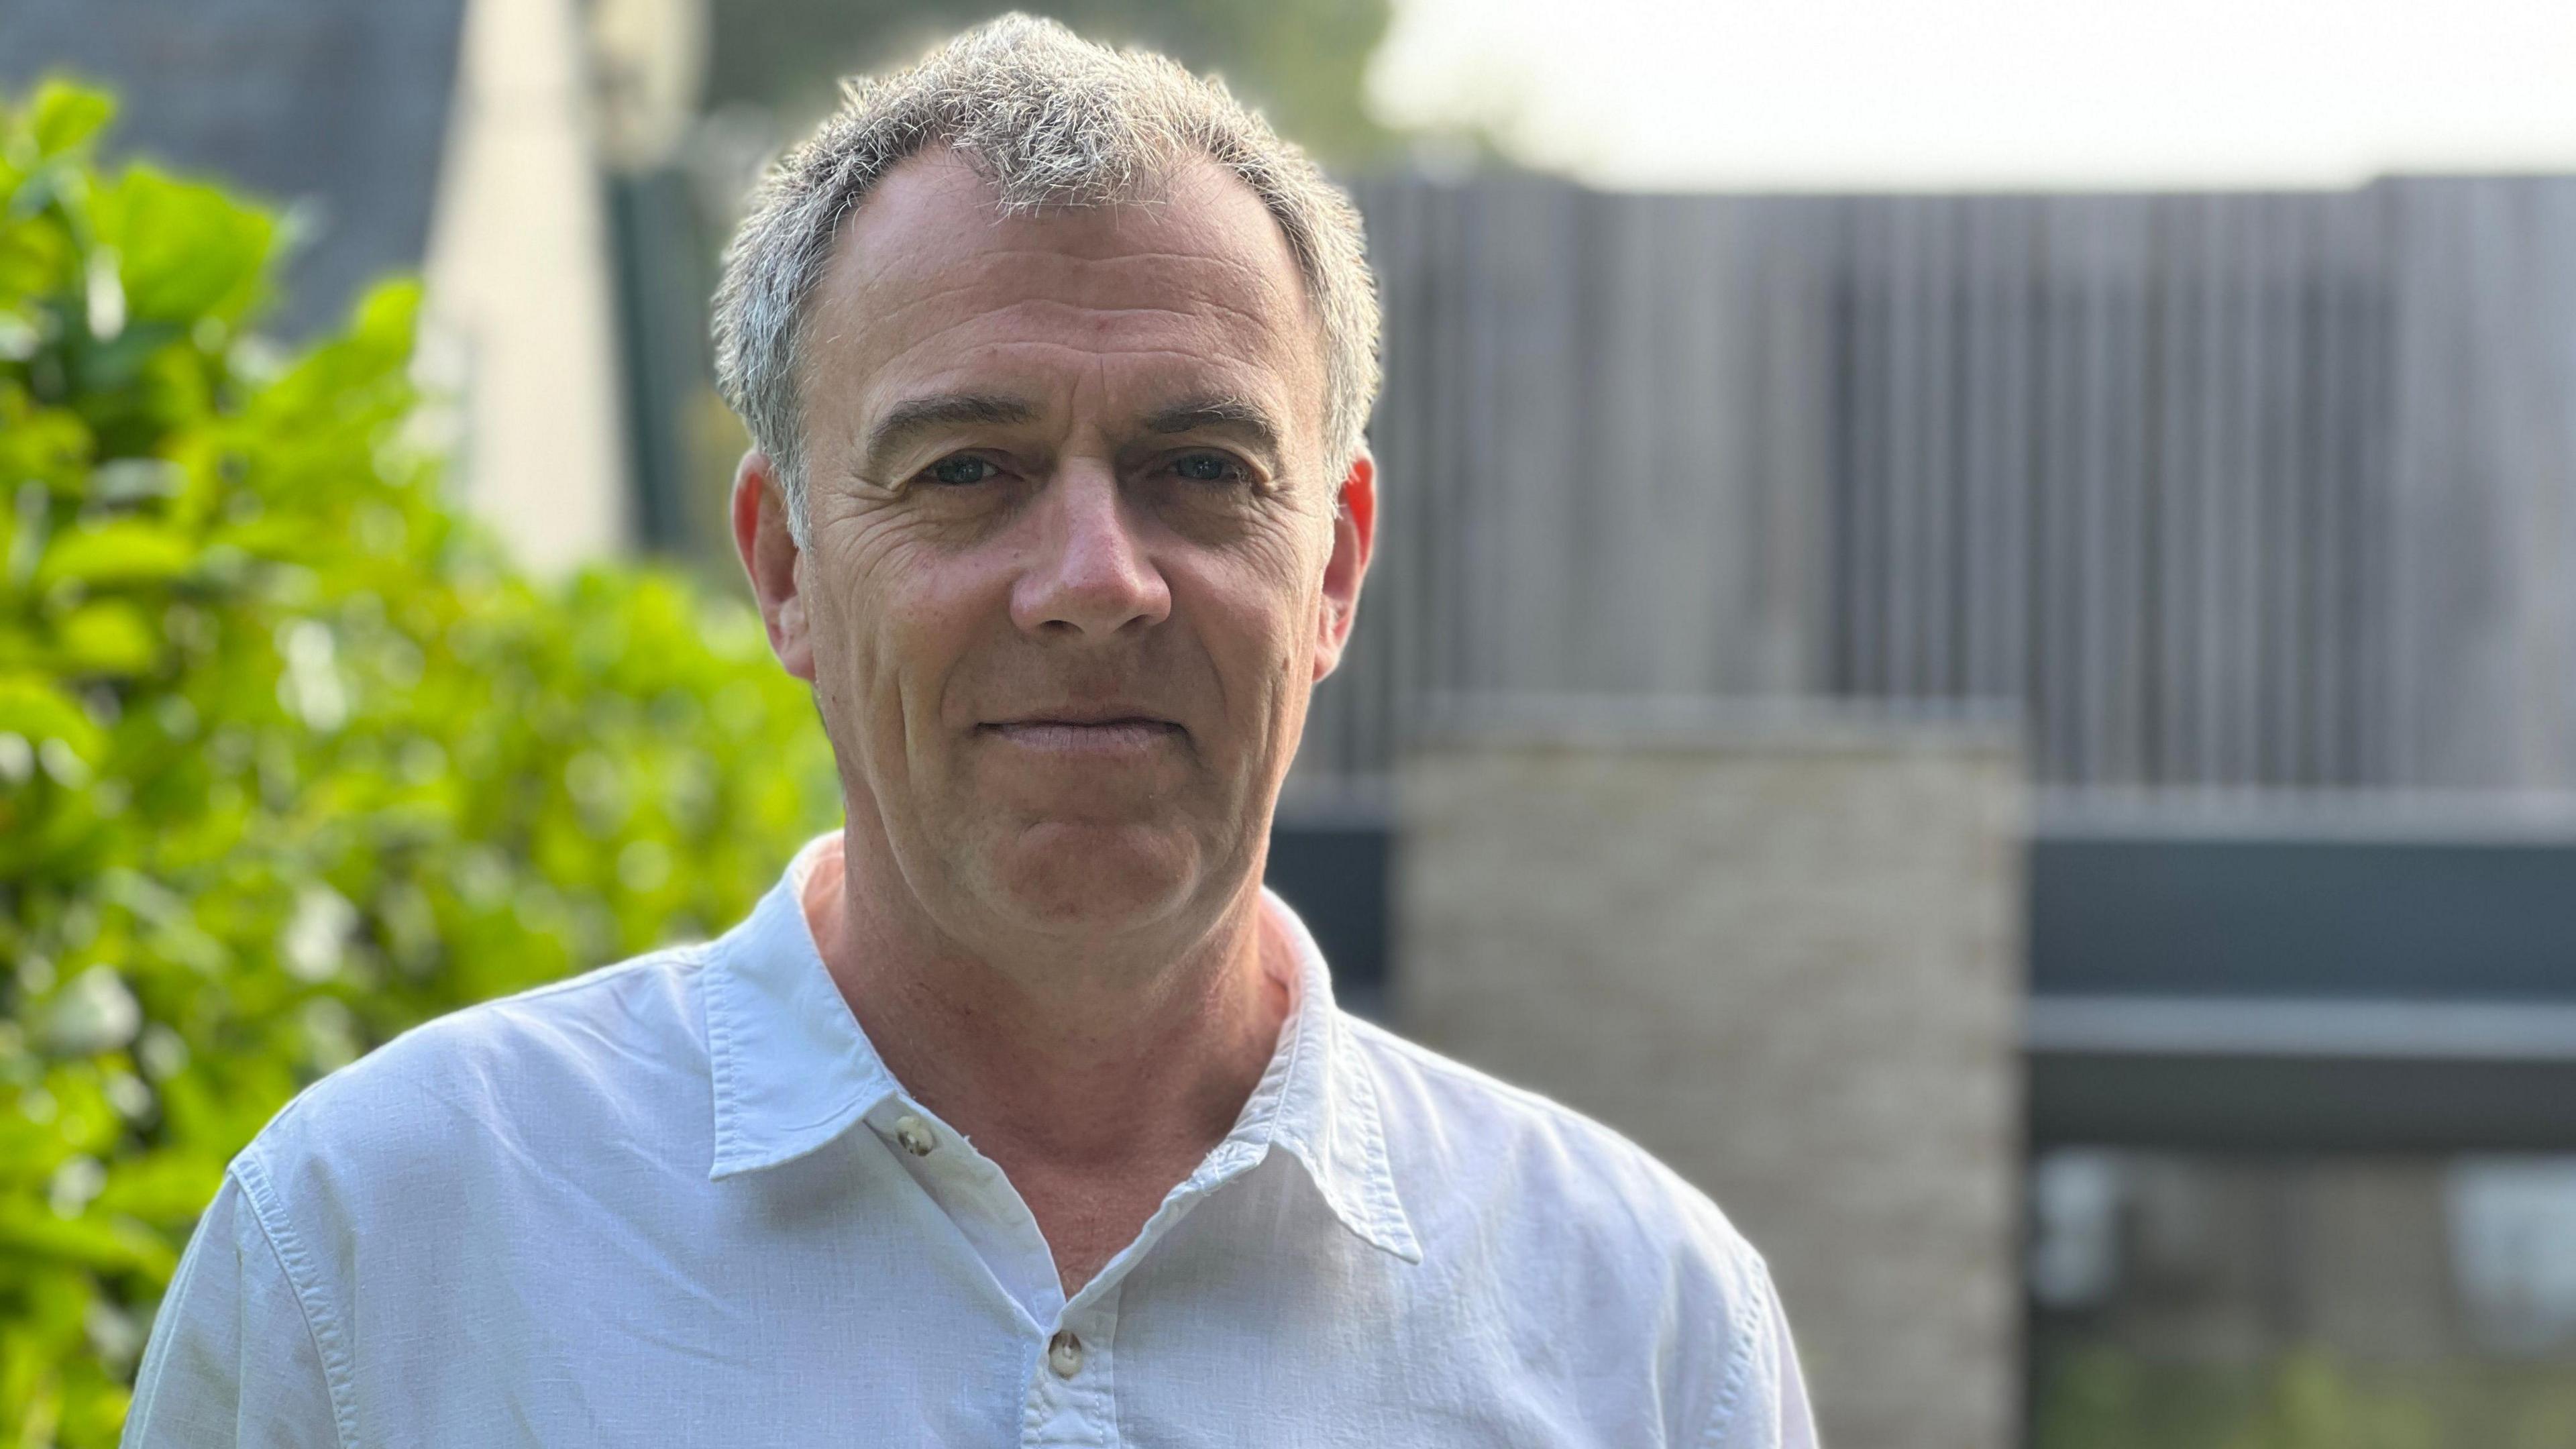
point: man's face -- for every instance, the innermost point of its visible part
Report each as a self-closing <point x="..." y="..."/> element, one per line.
<point x="1074" y="560"/>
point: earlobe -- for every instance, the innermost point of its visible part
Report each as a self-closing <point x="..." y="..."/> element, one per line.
<point x="771" y="558"/>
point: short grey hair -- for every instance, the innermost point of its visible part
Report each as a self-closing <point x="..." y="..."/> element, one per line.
<point x="1050" y="119"/>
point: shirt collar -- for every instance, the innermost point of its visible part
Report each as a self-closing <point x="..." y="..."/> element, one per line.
<point x="793" y="1070"/>
<point x="1318" y="1100"/>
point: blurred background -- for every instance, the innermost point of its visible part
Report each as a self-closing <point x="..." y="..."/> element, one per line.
<point x="1975" y="638"/>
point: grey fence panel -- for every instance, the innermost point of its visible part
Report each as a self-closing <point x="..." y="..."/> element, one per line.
<point x="2168" y="433"/>
<point x="1798" y="429"/>
<point x="2234" y="491"/>
<point x="2486" y="438"/>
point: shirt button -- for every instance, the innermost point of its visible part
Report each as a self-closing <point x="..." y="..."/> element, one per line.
<point x="915" y="1135"/>
<point x="1064" y="1355"/>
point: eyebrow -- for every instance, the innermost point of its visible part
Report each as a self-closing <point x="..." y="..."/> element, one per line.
<point x="1219" y="414"/>
<point x="912" y="417"/>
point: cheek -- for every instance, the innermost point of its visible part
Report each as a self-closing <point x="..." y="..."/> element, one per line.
<point x="1259" y="609"/>
<point x="904" y="613"/>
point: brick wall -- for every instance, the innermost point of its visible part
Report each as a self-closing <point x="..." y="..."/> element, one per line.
<point x="1785" y="956"/>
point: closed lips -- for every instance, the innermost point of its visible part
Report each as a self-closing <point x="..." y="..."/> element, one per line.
<point x="1117" y="732"/>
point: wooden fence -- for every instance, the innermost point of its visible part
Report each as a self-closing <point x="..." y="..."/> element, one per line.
<point x="2226" y="491"/>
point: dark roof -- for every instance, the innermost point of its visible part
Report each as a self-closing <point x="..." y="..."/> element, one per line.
<point x="339" y="108"/>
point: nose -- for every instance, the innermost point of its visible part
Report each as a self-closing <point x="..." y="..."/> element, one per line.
<point x="1091" y="574"/>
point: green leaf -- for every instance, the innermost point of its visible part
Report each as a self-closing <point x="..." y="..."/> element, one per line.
<point x="124" y="551"/>
<point x="65" y="114"/>
<point x="111" y="1246"/>
<point x="109" y="637"/>
<point x="49" y="444"/>
<point x="388" y="314"/>
<point x="184" y="249"/>
<point x="36" y="710"/>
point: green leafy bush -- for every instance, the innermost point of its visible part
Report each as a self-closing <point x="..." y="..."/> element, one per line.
<point x="290" y="757"/>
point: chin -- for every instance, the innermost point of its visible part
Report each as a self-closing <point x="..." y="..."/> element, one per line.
<point x="1094" y="877"/>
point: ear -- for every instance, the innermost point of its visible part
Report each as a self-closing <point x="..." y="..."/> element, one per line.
<point x="1354" y="538"/>
<point x="769" y="555"/>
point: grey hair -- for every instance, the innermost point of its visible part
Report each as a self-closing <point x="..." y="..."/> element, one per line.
<point x="1049" y="119"/>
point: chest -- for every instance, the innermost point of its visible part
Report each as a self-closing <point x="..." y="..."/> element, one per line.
<point x="835" y="1308"/>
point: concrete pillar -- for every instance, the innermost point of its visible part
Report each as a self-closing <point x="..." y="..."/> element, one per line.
<point x="1781" y="951"/>
<point x="520" y="331"/>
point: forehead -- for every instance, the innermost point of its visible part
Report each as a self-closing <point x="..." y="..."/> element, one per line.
<point x="932" y="286"/>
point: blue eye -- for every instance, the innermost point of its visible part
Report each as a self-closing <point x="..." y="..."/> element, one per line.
<point x="1210" y="468"/>
<point x="961" y="470"/>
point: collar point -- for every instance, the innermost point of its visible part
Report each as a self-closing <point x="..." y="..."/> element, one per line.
<point x="731" y="1162"/>
<point x="1397" y="1240"/>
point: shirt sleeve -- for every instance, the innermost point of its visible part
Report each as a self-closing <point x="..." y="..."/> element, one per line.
<point x="1766" y="1407"/>
<point x="234" y="1358"/>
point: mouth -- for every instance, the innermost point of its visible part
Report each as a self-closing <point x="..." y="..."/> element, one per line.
<point x="1077" y="734"/>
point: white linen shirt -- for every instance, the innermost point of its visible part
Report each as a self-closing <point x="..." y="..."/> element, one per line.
<point x="680" y="1201"/>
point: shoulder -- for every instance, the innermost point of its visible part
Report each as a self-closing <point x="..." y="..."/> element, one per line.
<point x="1548" y="1212"/>
<point x="504" y="1077"/>
<point x="1473" y="1127"/>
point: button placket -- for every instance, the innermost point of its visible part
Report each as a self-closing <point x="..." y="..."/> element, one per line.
<point x="1065" y="1405"/>
<point x="1073" y="1390"/>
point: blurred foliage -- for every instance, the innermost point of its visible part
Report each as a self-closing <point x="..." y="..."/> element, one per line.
<point x="290" y="757"/>
<point x="2097" y="1397"/>
<point x="1303" y="63"/>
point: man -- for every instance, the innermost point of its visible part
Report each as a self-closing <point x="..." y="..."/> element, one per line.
<point x="1019" y="1112"/>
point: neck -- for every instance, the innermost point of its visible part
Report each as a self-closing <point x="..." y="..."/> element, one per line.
<point x="1096" y="1081"/>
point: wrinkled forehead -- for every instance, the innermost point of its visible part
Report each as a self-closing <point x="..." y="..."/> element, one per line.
<point x="1185" y="286"/>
